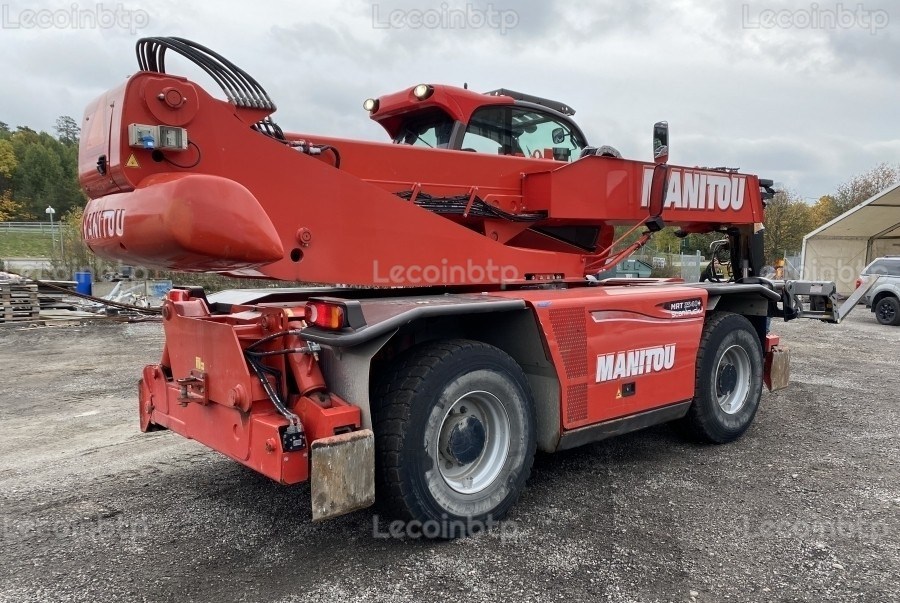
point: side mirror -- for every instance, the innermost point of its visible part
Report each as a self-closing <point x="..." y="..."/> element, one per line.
<point x="559" y="135"/>
<point x="661" y="142"/>
<point x="659" y="185"/>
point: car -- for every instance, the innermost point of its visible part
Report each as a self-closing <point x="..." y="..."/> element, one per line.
<point x="884" y="298"/>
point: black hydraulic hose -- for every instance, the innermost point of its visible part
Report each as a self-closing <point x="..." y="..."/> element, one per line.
<point x="219" y="75"/>
<point x="271" y="392"/>
<point x="261" y="371"/>
<point x="239" y="87"/>
<point x="236" y="86"/>
<point x="457" y="205"/>
<point x="246" y="77"/>
<point x="272" y="337"/>
<point x="283" y="352"/>
<point x="153" y="59"/>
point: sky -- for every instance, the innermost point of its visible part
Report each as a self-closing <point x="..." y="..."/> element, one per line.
<point x="805" y="93"/>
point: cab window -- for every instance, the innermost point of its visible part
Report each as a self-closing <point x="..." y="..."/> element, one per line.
<point x="522" y="132"/>
<point x="427" y="129"/>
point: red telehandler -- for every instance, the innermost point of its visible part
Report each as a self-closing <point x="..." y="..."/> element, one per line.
<point x="467" y="327"/>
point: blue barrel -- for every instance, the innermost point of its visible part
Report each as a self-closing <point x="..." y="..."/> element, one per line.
<point x="83" y="283"/>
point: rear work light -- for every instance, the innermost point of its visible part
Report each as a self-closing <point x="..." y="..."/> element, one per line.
<point x="334" y="314"/>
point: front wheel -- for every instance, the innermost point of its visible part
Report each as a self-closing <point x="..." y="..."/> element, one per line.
<point x="887" y="311"/>
<point x="454" y="437"/>
<point x="728" y="382"/>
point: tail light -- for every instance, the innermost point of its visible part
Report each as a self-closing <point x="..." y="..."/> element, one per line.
<point x="334" y="314"/>
<point x="858" y="283"/>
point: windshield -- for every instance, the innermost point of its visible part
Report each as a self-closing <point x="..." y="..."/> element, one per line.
<point x="523" y="132"/>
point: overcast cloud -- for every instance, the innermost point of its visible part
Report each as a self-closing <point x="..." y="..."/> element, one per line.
<point x="807" y="95"/>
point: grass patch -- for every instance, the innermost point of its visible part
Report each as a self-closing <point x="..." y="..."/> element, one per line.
<point x="25" y="244"/>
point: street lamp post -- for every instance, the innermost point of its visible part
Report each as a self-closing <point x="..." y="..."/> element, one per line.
<point x="50" y="211"/>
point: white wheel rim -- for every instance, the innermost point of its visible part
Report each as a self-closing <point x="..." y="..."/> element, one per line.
<point x="472" y="476"/>
<point x="732" y="379"/>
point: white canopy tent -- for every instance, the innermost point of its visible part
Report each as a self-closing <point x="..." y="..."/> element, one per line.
<point x="839" y="250"/>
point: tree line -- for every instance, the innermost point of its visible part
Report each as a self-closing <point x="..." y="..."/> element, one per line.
<point x="789" y="217"/>
<point x="38" y="170"/>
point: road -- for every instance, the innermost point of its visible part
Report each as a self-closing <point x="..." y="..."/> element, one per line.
<point x="805" y="507"/>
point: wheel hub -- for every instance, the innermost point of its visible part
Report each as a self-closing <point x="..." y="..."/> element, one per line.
<point x="727" y="380"/>
<point x="733" y="375"/>
<point x="473" y="442"/>
<point x="466" y="440"/>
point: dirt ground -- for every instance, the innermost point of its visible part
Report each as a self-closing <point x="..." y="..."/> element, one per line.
<point x="806" y="507"/>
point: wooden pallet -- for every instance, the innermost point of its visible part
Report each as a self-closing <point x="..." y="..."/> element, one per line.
<point x="18" y="302"/>
<point x="56" y="298"/>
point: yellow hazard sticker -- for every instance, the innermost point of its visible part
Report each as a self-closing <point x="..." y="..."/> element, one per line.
<point x="619" y="394"/>
<point x="132" y="162"/>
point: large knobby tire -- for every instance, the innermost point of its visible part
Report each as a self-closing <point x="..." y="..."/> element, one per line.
<point x="729" y="380"/>
<point x="887" y="311"/>
<point x="454" y="437"/>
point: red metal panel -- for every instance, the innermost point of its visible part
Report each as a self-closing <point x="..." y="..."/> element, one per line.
<point x="645" y="336"/>
<point x="252" y="439"/>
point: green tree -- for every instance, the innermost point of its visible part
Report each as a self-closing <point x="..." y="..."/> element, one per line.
<point x="864" y="186"/>
<point x="788" y="220"/>
<point x="38" y="170"/>
<point x="8" y="161"/>
<point x="37" y="180"/>
<point x="67" y="130"/>
<point x="9" y="209"/>
<point x="824" y="210"/>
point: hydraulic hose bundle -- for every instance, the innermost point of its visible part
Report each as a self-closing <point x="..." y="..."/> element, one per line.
<point x="239" y="87"/>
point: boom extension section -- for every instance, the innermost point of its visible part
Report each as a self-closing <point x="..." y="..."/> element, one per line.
<point x="509" y="193"/>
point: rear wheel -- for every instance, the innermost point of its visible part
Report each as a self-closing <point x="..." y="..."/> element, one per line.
<point x="454" y="437"/>
<point x="728" y="380"/>
<point x="887" y="311"/>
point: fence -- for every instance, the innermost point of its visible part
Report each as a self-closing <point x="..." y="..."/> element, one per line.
<point x="36" y="227"/>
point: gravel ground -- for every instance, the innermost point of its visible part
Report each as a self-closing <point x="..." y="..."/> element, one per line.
<point x="805" y="507"/>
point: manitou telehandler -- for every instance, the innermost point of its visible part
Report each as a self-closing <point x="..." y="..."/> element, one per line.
<point x="469" y="327"/>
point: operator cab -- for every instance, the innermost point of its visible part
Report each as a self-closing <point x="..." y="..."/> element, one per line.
<point x="524" y="132"/>
<point x="501" y="122"/>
